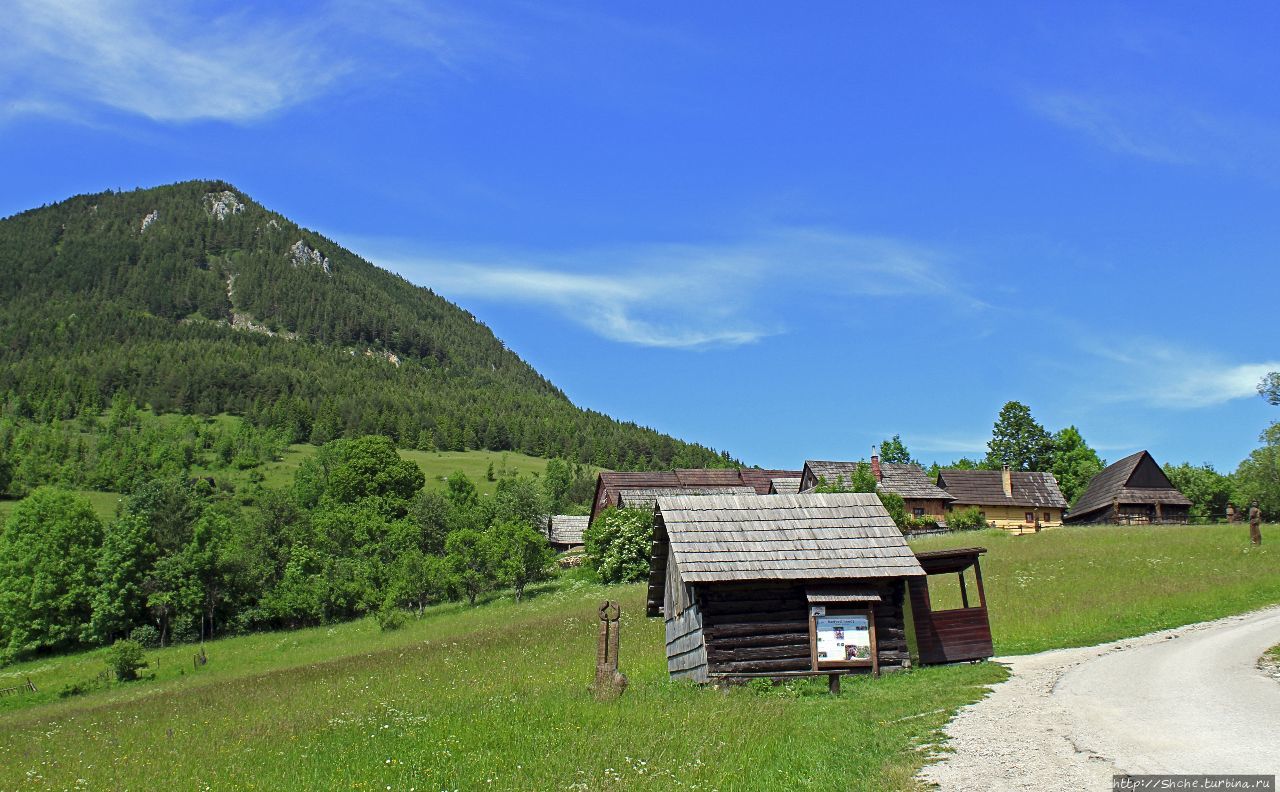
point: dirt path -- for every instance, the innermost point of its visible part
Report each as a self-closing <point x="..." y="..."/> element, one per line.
<point x="1188" y="700"/>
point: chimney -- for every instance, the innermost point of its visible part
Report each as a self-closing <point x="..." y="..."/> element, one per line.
<point x="1006" y="480"/>
<point x="875" y="465"/>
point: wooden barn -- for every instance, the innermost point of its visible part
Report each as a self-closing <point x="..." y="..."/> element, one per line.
<point x="1021" y="501"/>
<point x="1134" y="490"/>
<point x="785" y="585"/>
<point x="564" y="531"/>
<point x="611" y="486"/>
<point x="922" y="497"/>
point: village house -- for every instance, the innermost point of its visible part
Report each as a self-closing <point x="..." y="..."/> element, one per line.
<point x="564" y="531"/>
<point x="1021" y="501"/>
<point x="921" y="496"/>
<point x="1134" y="490"/>
<point x="785" y="585"/>
<point x="641" y="489"/>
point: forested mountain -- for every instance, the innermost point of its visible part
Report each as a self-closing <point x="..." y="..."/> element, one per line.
<point x="194" y="298"/>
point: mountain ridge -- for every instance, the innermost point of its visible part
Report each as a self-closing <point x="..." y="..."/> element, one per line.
<point x="193" y="297"/>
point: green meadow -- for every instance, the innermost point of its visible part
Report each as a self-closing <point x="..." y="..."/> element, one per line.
<point x="495" y="697"/>
<point x="1082" y="585"/>
<point x="436" y="466"/>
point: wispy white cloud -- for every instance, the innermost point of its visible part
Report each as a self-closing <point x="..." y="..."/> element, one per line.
<point x="1165" y="130"/>
<point x="686" y="296"/>
<point x="1166" y="376"/>
<point x="180" y="61"/>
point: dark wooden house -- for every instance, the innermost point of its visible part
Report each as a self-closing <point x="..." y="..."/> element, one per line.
<point x="611" y="486"/>
<point x="783" y="585"/>
<point x="922" y="497"/>
<point x="1134" y="490"/>
<point x="1021" y="501"/>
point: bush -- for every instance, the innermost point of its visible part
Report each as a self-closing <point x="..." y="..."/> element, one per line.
<point x="966" y="519"/>
<point x="897" y="508"/>
<point x="618" y="544"/>
<point x="390" y="618"/>
<point x="146" y="635"/>
<point x="126" y="658"/>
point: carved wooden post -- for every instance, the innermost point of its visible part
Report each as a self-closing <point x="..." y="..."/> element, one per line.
<point x="610" y="682"/>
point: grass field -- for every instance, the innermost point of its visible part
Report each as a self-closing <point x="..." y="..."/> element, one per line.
<point x="436" y="466"/>
<point x="490" y="698"/>
<point x="495" y="697"/>
<point x="1077" y="586"/>
<point x="104" y="504"/>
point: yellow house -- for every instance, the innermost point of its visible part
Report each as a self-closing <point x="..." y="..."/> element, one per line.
<point x="1016" y="500"/>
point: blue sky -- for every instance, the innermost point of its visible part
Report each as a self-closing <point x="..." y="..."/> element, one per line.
<point x="787" y="232"/>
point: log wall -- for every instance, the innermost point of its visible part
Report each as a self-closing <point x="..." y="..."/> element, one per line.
<point x="756" y="628"/>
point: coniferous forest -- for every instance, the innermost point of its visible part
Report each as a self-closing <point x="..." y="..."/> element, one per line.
<point x="191" y="298"/>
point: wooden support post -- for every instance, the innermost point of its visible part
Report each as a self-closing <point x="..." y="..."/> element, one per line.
<point x="833" y="684"/>
<point x="964" y="593"/>
<point x="977" y="575"/>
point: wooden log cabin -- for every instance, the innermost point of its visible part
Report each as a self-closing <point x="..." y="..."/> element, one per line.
<point x="1134" y="490"/>
<point x="778" y="586"/>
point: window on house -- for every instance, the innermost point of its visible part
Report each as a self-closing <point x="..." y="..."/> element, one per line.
<point x="918" y="512"/>
<point x="982" y="514"/>
<point x="1031" y="517"/>
<point x="1047" y="518"/>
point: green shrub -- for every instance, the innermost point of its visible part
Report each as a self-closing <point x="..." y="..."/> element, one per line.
<point x="966" y="519"/>
<point x="618" y="544"/>
<point x="125" y="658"/>
<point x="897" y="508"/>
<point x="390" y="618"/>
<point x="146" y="635"/>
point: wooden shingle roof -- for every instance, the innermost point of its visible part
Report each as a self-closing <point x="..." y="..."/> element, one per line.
<point x="647" y="498"/>
<point x="985" y="488"/>
<point x="837" y="536"/>
<point x="610" y="484"/>
<point x="909" y="481"/>
<point x="785" y="486"/>
<point x="1135" y="479"/>
<point x="567" y="528"/>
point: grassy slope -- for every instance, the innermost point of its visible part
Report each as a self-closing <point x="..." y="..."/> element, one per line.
<point x="1077" y="586"/>
<point x="492" y="698"/>
<point x="104" y="504"/>
<point x="495" y="697"/>
<point x="436" y="466"/>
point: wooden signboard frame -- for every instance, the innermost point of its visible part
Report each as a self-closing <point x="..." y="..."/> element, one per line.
<point x="838" y="609"/>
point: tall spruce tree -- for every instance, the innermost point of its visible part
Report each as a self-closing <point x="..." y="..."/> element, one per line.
<point x="1018" y="441"/>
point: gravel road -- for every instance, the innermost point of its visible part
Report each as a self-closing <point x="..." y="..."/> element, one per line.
<point x="1187" y="700"/>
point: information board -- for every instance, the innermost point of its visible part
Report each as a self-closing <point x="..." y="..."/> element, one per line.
<point x="843" y="639"/>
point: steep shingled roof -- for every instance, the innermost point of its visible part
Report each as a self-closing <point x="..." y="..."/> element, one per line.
<point x="985" y="488"/>
<point x="567" y="529"/>
<point x="836" y="536"/>
<point x="909" y="481"/>
<point x="610" y="484"/>
<point x="1117" y="482"/>
<point x="785" y="486"/>
<point x="648" y="498"/>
